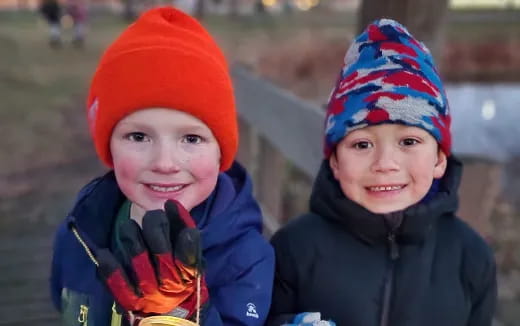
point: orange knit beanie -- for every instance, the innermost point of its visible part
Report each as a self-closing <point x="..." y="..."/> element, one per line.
<point x="165" y="59"/>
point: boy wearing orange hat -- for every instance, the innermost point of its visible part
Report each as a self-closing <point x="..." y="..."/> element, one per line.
<point x="172" y="229"/>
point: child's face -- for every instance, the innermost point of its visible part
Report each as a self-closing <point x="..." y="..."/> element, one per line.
<point x="161" y="154"/>
<point x="388" y="167"/>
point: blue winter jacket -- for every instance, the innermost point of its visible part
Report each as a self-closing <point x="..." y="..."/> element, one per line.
<point x="239" y="262"/>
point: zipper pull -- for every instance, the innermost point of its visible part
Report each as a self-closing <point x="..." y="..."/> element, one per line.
<point x="83" y="314"/>
<point x="116" y="317"/>
<point x="394" y="248"/>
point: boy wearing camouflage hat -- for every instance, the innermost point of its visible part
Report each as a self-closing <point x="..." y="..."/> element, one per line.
<point x="381" y="244"/>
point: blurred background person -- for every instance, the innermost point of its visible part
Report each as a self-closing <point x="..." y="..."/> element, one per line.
<point x="51" y="11"/>
<point x="77" y="10"/>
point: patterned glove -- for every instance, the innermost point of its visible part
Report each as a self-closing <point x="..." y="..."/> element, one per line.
<point x="158" y="279"/>
<point x="310" y="319"/>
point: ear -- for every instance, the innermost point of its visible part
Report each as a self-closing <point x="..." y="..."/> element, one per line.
<point x="440" y="166"/>
<point x="334" y="164"/>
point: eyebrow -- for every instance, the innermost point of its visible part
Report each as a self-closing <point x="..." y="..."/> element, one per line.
<point x="185" y="128"/>
<point x="134" y="125"/>
<point x="194" y="127"/>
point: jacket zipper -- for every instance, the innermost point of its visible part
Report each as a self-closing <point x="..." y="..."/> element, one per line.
<point x="83" y="310"/>
<point x="116" y="319"/>
<point x="83" y="315"/>
<point x="388" y="289"/>
<point x="84" y="245"/>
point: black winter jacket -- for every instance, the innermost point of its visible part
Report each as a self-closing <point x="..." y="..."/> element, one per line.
<point x="356" y="268"/>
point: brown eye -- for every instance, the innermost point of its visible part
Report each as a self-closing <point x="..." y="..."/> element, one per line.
<point x="137" y="137"/>
<point x="409" y="142"/>
<point x="362" y="145"/>
<point x="192" y="139"/>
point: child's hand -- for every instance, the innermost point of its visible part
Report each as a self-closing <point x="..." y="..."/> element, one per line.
<point x="162" y="279"/>
<point x="310" y="319"/>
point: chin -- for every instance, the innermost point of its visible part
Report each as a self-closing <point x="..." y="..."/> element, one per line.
<point x="151" y="206"/>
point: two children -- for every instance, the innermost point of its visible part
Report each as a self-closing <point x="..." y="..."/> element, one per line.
<point x="381" y="244"/>
<point x="162" y="116"/>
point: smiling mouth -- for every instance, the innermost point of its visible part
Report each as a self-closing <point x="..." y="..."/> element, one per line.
<point x="166" y="189"/>
<point x="386" y="188"/>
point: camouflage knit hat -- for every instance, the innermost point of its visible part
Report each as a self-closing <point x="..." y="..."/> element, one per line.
<point x="387" y="77"/>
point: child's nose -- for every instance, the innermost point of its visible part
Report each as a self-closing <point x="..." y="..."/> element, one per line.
<point x="385" y="160"/>
<point x="165" y="159"/>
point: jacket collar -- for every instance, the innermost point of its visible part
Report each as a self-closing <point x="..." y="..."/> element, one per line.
<point x="409" y="225"/>
<point x="95" y="209"/>
<point x="228" y="212"/>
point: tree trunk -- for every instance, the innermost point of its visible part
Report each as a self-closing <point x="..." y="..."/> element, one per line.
<point x="425" y="19"/>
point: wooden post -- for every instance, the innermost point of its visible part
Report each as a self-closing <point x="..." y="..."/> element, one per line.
<point x="248" y="148"/>
<point x="272" y="173"/>
<point x="479" y="191"/>
<point x="297" y="191"/>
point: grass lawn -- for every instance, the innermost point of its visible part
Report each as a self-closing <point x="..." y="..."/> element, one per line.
<point x="42" y="91"/>
<point x="42" y="116"/>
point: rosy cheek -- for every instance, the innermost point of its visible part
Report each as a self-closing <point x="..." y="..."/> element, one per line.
<point x="204" y="165"/>
<point x="126" y="174"/>
<point x="206" y="168"/>
<point x="206" y="174"/>
<point x="124" y="169"/>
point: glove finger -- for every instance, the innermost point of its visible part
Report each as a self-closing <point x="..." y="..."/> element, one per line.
<point x="178" y="217"/>
<point x="185" y="238"/>
<point x="116" y="279"/>
<point x="156" y="232"/>
<point x="188" y="248"/>
<point x="132" y="240"/>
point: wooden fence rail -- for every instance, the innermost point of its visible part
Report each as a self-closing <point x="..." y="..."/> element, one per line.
<point x="278" y="130"/>
<point x="281" y="141"/>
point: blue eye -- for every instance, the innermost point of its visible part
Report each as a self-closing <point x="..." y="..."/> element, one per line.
<point x="137" y="137"/>
<point x="362" y="145"/>
<point x="192" y="139"/>
<point x="409" y="142"/>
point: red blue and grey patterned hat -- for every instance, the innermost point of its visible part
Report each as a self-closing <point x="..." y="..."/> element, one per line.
<point x="387" y="77"/>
